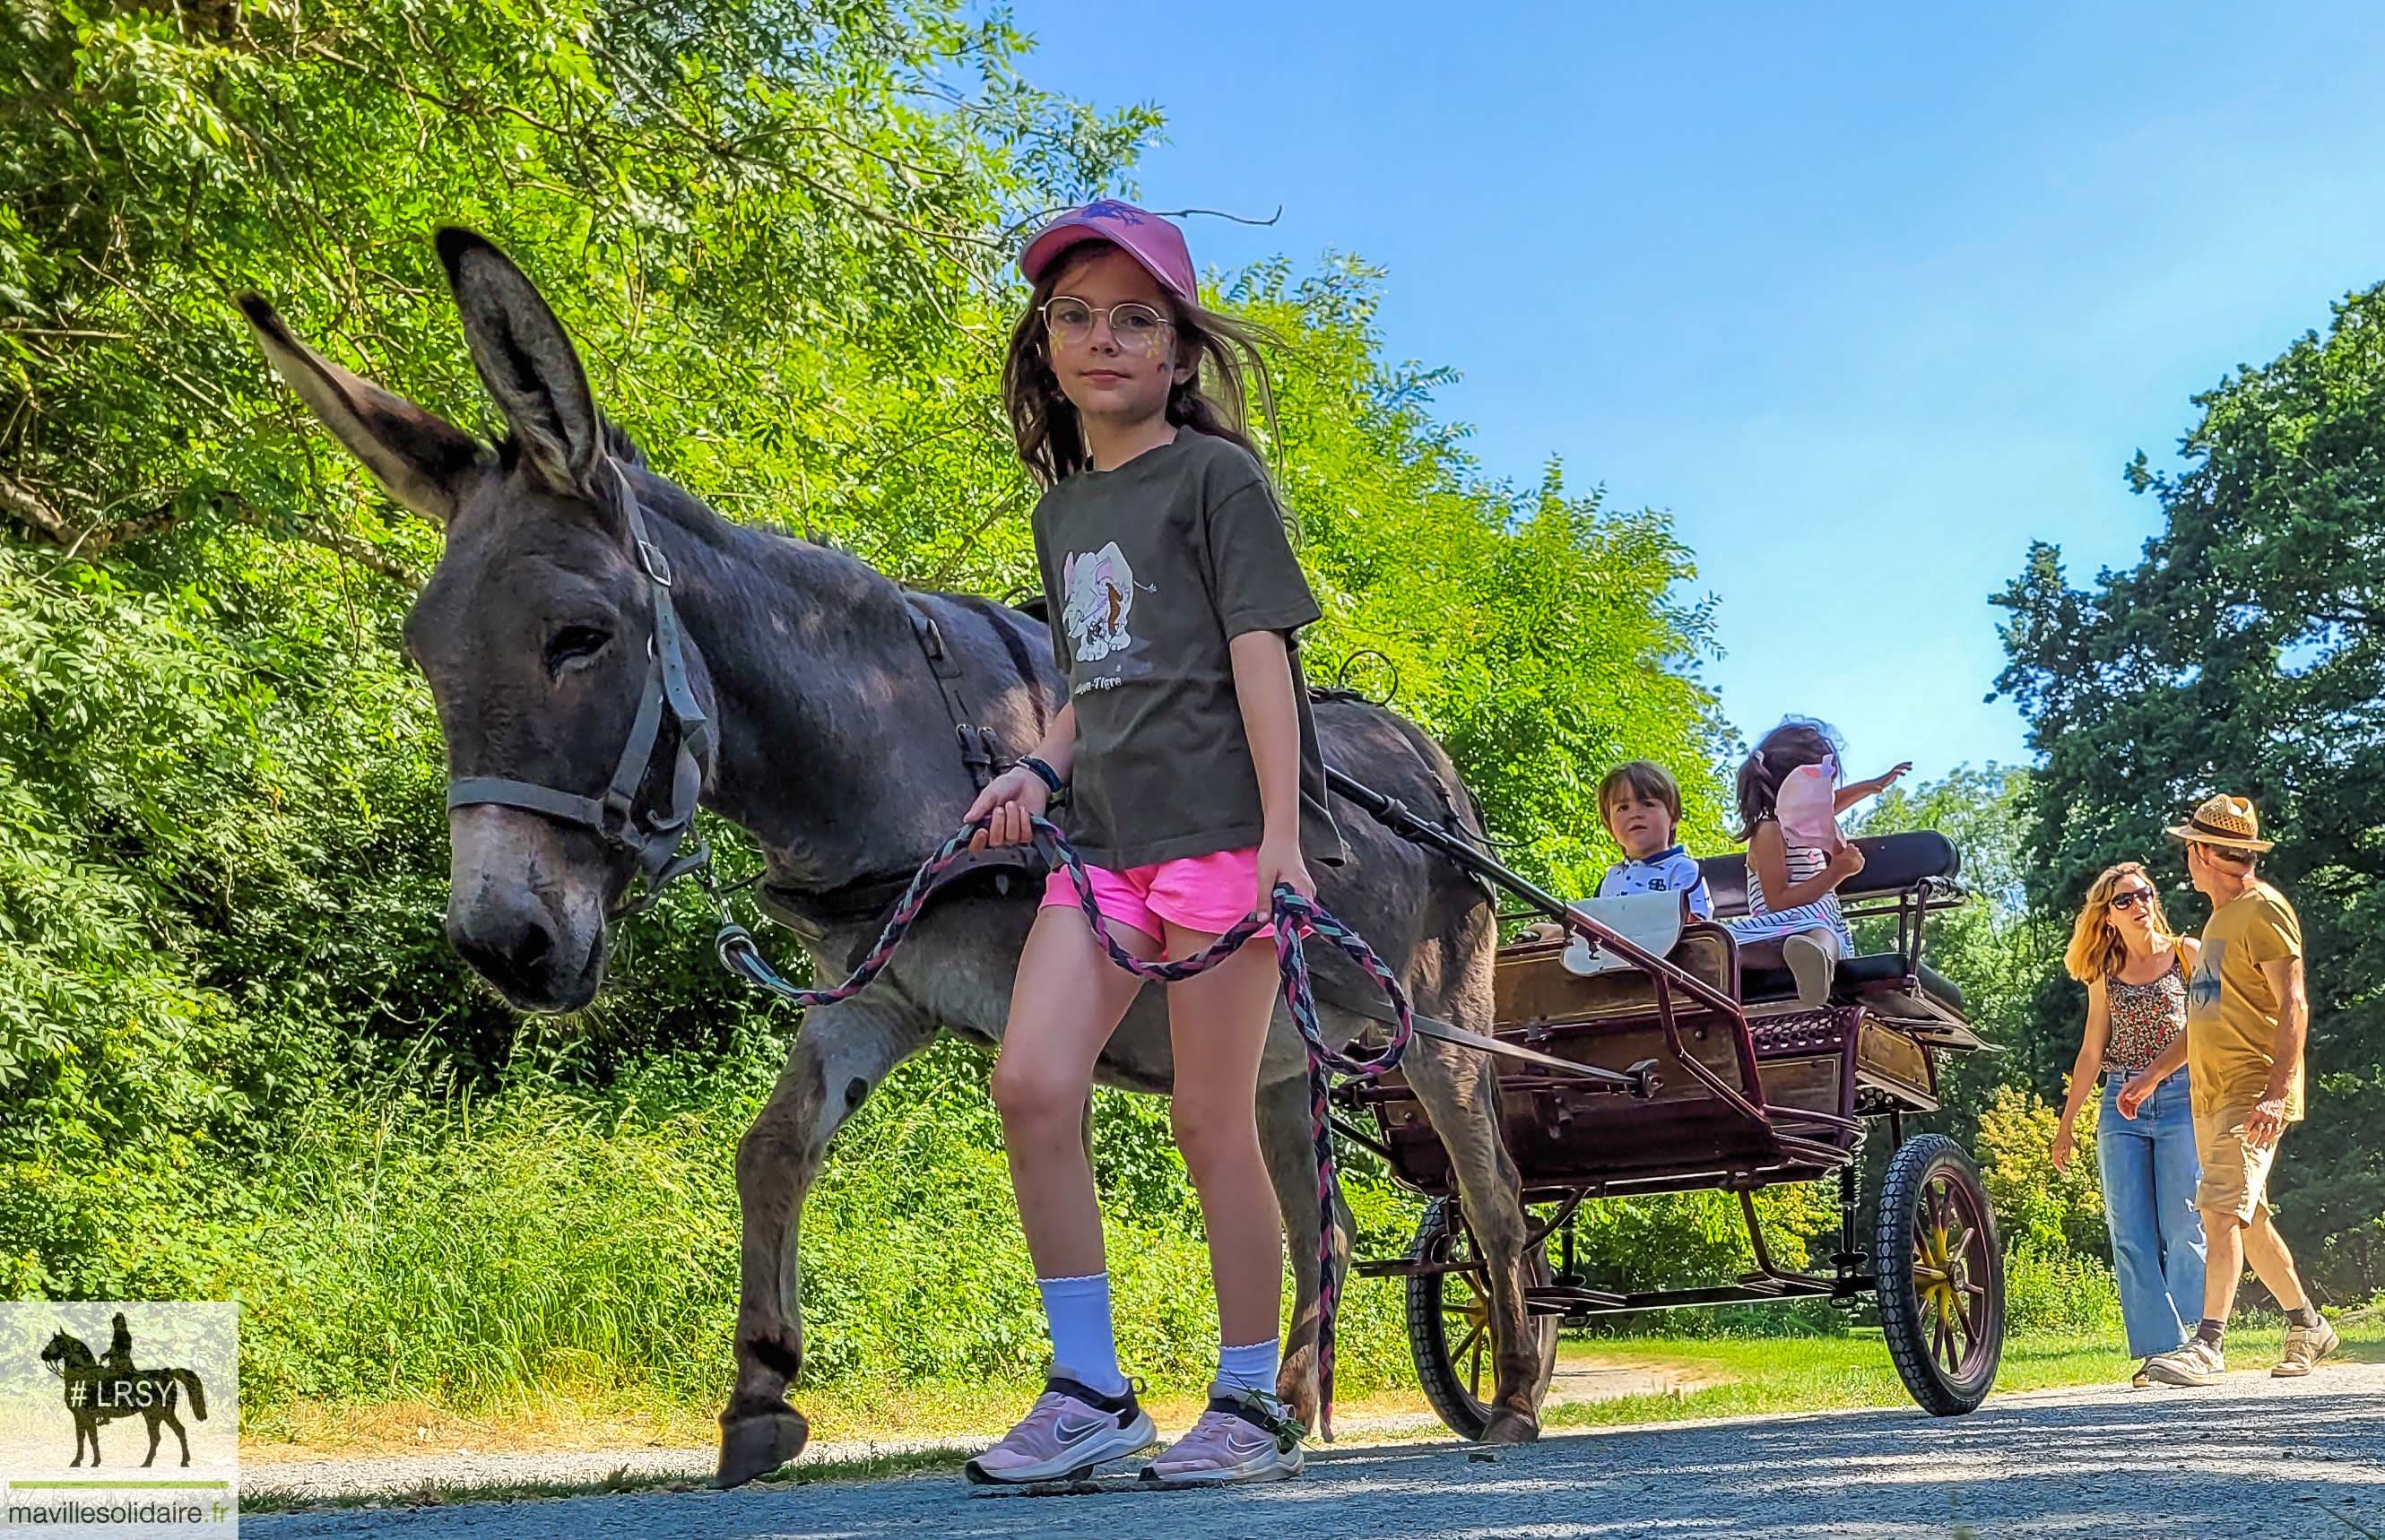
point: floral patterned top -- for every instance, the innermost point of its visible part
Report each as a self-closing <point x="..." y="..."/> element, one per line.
<point x="2146" y="1018"/>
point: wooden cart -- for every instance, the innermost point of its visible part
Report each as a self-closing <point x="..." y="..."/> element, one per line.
<point x="1738" y="1088"/>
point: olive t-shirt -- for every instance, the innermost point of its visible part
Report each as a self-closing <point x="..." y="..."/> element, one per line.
<point x="1149" y="570"/>
<point x="2231" y="1011"/>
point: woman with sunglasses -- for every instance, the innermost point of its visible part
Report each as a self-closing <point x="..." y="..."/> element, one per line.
<point x="2135" y="968"/>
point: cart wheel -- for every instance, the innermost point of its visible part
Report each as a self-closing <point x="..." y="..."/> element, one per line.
<point x="1449" y="1322"/>
<point x="1942" y="1276"/>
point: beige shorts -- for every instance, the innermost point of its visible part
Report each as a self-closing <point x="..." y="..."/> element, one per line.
<point x="2235" y="1175"/>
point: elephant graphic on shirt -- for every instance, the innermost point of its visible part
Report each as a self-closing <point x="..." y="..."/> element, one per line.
<point x="1100" y="596"/>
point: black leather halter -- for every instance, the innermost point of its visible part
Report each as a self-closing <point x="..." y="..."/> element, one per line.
<point x="652" y="836"/>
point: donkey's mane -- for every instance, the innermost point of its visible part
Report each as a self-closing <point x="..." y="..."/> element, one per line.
<point x="683" y="510"/>
<point x="757" y="562"/>
<point x="617" y="444"/>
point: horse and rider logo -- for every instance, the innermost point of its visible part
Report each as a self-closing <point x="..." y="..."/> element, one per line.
<point x="103" y="1388"/>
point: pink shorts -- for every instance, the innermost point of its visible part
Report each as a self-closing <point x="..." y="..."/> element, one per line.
<point x="1206" y="893"/>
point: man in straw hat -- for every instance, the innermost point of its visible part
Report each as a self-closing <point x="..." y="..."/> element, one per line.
<point x="2247" y="1018"/>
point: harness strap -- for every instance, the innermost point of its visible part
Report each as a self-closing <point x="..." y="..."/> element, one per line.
<point x="980" y="751"/>
<point x="637" y="752"/>
<point x="530" y="798"/>
<point x="653" y="838"/>
<point x="1641" y="1080"/>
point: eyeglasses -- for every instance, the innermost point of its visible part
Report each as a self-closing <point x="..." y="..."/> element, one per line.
<point x="2131" y="897"/>
<point x="2223" y="854"/>
<point x="1135" y="327"/>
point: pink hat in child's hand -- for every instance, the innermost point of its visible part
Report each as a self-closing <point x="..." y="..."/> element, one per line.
<point x="1149" y="239"/>
<point x="1806" y="804"/>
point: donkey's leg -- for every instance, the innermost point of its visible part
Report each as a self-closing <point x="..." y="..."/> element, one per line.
<point x="1459" y="1091"/>
<point x="1284" y="1137"/>
<point x="839" y="1057"/>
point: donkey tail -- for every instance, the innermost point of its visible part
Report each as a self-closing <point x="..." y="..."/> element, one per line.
<point x="198" y="1392"/>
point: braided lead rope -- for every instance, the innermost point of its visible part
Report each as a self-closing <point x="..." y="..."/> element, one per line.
<point x="1295" y="918"/>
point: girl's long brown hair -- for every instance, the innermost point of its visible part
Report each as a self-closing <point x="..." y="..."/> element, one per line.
<point x="1225" y="352"/>
<point x="2096" y="950"/>
<point x="1798" y="741"/>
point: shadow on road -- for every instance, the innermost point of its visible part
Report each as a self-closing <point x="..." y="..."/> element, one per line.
<point x="2252" y="1458"/>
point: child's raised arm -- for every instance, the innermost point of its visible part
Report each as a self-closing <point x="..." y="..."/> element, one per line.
<point x="1855" y="791"/>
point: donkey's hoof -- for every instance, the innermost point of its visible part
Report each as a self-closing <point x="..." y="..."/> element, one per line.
<point x="756" y="1446"/>
<point x="1510" y="1426"/>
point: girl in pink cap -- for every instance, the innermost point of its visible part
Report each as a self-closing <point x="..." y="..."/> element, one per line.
<point x="1193" y="788"/>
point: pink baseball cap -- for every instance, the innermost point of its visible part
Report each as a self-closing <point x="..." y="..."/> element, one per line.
<point x="1149" y="239"/>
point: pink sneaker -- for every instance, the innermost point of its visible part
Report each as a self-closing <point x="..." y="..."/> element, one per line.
<point x="1071" y="1429"/>
<point x="1244" y="1435"/>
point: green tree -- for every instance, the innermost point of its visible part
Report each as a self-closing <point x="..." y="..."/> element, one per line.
<point x="781" y="236"/>
<point x="1995" y="949"/>
<point x="2243" y="653"/>
<point x="219" y="781"/>
<point x="1541" y="635"/>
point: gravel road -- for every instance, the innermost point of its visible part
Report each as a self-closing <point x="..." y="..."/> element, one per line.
<point x="2247" y="1459"/>
<point x="402" y="1475"/>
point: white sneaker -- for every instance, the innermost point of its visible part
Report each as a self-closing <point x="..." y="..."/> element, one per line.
<point x="1071" y="1429"/>
<point x="2198" y="1363"/>
<point x="1244" y="1435"/>
<point x="1813" y="958"/>
<point x="2304" y="1346"/>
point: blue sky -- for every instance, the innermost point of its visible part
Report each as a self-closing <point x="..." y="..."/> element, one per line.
<point x="1866" y="296"/>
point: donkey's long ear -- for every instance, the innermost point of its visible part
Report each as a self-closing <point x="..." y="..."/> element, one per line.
<point x="526" y="361"/>
<point x="422" y="459"/>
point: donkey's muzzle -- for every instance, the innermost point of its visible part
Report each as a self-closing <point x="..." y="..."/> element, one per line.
<point x="529" y="960"/>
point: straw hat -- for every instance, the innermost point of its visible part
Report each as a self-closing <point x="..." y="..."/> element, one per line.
<point x="2224" y="820"/>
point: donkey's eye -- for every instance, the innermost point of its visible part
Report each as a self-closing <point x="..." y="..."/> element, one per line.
<point x="574" y="647"/>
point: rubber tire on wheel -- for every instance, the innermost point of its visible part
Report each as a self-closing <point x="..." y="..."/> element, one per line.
<point x="1454" y="1390"/>
<point x="1936" y="1242"/>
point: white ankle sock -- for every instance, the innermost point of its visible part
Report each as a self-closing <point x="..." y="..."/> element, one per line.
<point x="1078" y="1310"/>
<point x="1252" y="1367"/>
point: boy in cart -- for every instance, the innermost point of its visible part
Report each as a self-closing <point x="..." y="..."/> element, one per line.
<point x="1641" y="805"/>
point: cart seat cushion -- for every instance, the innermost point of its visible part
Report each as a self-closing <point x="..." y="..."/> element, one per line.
<point x="1888" y="968"/>
<point x="1892" y="863"/>
<point x="1764" y="979"/>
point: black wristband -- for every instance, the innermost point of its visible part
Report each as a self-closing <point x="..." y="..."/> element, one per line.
<point x="1044" y="773"/>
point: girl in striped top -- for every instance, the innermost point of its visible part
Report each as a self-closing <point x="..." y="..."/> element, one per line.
<point x="1793" y="886"/>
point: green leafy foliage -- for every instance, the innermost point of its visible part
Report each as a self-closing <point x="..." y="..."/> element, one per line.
<point x="235" y="1055"/>
<point x="2037" y="1205"/>
<point x="1994" y="948"/>
<point x="2053" y="1290"/>
<point x="2244" y="654"/>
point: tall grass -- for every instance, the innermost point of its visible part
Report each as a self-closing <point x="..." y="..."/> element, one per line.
<point x="546" y="1243"/>
<point x="473" y="1254"/>
<point x="2059" y="1292"/>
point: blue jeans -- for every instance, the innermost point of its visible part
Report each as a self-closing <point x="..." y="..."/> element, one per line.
<point x="2148" y="1171"/>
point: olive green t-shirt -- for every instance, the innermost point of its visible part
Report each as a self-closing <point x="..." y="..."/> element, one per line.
<point x="1149" y="571"/>
<point x="2231" y="1011"/>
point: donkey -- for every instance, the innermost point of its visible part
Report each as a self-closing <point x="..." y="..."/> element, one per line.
<point x="832" y="695"/>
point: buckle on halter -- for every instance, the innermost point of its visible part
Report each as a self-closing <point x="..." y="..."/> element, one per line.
<point x="658" y="565"/>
